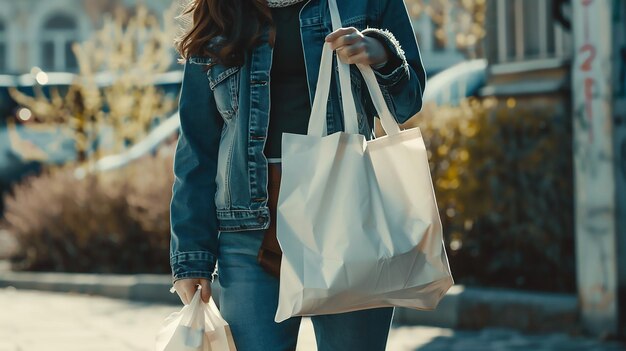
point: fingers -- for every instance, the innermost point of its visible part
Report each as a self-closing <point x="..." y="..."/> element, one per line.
<point x="178" y="286"/>
<point x="362" y="57"/>
<point x="339" y="32"/>
<point x="344" y="36"/>
<point x="352" y="47"/>
<point x="353" y="53"/>
<point x="367" y="51"/>
<point x="183" y="296"/>
<point x="206" y="290"/>
<point x="182" y="293"/>
<point x="351" y="50"/>
<point x="186" y="288"/>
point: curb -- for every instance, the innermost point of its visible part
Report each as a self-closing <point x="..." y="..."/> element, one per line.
<point x="140" y="287"/>
<point x="478" y="308"/>
<point x="462" y="307"/>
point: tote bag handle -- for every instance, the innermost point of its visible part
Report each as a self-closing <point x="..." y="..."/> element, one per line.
<point x="317" y="121"/>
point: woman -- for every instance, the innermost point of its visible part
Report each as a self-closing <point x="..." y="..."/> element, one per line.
<point x="250" y="73"/>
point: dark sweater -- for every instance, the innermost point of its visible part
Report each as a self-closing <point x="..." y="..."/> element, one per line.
<point x="289" y="92"/>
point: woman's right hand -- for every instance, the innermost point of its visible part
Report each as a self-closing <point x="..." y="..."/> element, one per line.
<point x="186" y="288"/>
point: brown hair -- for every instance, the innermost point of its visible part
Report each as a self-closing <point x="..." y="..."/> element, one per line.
<point x="223" y="29"/>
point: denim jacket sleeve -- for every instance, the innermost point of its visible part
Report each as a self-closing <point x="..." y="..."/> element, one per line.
<point x="403" y="78"/>
<point x="193" y="219"/>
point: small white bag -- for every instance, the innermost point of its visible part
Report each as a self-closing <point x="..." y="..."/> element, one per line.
<point x="197" y="326"/>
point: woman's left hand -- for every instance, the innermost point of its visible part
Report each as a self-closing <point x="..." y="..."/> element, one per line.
<point x="353" y="47"/>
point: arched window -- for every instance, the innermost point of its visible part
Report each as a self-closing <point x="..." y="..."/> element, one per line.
<point x="3" y="48"/>
<point x="59" y="33"/>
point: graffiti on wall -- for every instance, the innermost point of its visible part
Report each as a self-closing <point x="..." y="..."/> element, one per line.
<point x="593" y="158"/>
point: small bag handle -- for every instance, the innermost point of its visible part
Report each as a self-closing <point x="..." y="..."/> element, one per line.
<point x="317" y="122"/>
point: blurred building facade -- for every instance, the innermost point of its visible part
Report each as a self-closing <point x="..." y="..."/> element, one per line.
<point x="40" y="32"/>
<point x="569" y="57"/>
<point x="437" y="55"/>
<point x="529" y="49"/>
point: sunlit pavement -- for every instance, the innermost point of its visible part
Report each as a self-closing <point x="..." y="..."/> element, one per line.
<point x="33" y="320"/>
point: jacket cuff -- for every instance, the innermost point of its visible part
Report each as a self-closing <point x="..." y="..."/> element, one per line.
<point x="397" y="68"/>
<point x="192" y="264"/>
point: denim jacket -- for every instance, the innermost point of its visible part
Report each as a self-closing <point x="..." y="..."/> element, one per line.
<point x="219" y="165"/>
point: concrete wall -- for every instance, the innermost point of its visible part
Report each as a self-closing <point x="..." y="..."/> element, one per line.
<point x="594" y="96"/>
<point x="619" y="142"/>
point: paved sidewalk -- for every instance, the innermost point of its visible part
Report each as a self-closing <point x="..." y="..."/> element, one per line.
<point x="34" y="320"/>
<point x="462" y="307"/>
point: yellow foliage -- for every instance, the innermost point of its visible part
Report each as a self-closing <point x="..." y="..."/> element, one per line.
<point x="502" y="174"/>
<point x="126" y="52"/>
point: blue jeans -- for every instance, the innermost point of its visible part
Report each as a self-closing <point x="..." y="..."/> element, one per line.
<point x="249" y="297"/>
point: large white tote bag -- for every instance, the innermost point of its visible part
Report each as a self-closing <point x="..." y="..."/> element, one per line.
<point x="357" y="220"/>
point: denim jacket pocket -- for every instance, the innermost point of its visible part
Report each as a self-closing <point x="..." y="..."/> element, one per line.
<point x="224" y="82"/>
<point x="359" y="22"/>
